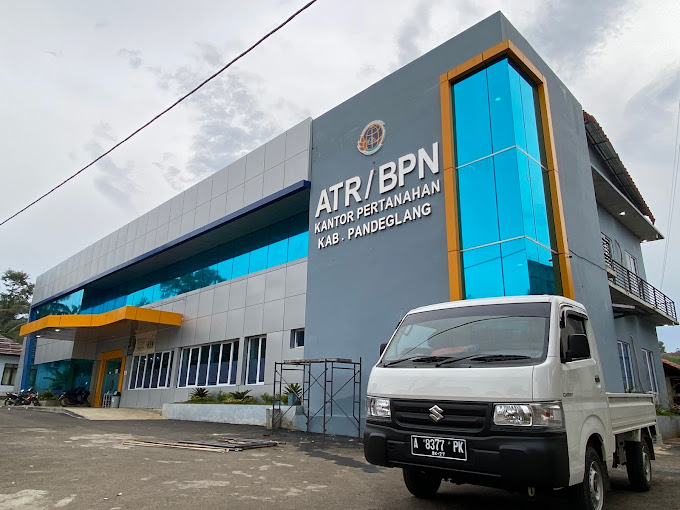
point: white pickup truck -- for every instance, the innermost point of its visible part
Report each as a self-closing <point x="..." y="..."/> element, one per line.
<point x="504" y="392"/>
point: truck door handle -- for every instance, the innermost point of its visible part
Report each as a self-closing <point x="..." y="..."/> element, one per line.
<point x="597" y="379"/>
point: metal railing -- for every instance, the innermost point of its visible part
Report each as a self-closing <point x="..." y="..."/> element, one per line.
<point x="633" y="284"/>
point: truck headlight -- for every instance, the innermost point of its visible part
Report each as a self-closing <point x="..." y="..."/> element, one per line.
<point x="378" y="407"/>
<point x="544" y="414"/>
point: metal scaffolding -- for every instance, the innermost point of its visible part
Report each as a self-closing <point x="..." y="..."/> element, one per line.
<point x="329" y="375"/>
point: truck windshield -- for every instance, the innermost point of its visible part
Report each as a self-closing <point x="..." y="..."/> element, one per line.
<point x="512" y="333"/>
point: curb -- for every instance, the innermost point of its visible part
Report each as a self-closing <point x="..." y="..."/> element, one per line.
<point x="57" y="410"/>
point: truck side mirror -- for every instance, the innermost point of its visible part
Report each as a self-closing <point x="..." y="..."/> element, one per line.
<point x="578" y="347"/>
<point x="383" y="347"/>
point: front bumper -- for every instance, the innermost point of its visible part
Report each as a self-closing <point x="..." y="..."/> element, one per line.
<point x="500" y="459"/>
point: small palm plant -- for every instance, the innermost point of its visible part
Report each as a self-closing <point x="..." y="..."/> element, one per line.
<point x="295" y="389"/>
<point x="200" y="395"/>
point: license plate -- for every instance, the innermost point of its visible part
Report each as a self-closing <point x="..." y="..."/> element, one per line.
<point x="442" y="447"/>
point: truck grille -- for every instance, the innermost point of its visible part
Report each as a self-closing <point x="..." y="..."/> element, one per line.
<point x="468" y="417"/>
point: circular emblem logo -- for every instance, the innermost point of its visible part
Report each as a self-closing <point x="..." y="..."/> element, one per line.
<point x="371" y="138"/>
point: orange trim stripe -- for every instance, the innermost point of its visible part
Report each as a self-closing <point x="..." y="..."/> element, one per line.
<point x="102" y="319"/>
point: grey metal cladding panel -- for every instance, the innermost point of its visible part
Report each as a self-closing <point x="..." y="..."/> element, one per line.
<point x="255" y="163"/>
<point x="298" y="138"/>
<point x="377" y="278"/>
<point x="275" y="152"/>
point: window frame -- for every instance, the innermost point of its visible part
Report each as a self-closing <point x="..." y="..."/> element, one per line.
<point x="9" y="372"/>
<point x="135" y="374"/>
<point x="262" y="342"/>
<point x="623" y="348"/>
<point x="233" y="356"/>
<point x="294" y="343"/>
<point x="651" y="372"/>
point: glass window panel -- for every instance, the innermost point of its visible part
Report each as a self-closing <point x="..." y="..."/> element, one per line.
<point x="471" y="114"/>
<point x="119" y="302"/>
<point x="130" y="299"/>
<point x="183" y="369"/>
<point x="278" y="244"/>
<point x="140" y="372"/>
<point x="224" y="269"/>
<point x="242" y="259"/>
<point x="482" y="272"/>
<point x="133" y="373"/>
<point x="517" y="108"/>
<point x="203" y="366"/>
<point x="509" y="198"/>
<point x="298" y="246"/>
<point x="163" y="372"/>
<point x="225" y="363"/>
<point x="156" y="369"/>
<point x="253" y="357"/>
<point x="477" y="199"/>
<point x="542" y="272"/>
<point x="531" y="114"/>
<point x="501" y="106"/>
<point x="525" y="194"/>
<point x="263" y="349"/>
<point x="515" y="269"/>
<point x="538" y="194"/>
<point x="214" y="364"/>
<point x="234" y="362"/>
<point x="259" y="250"/>
<point x="147" y="370"/>
<point x="193" y="365"/>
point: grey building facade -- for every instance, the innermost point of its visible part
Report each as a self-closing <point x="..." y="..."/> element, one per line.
<point x="397" y="209"/>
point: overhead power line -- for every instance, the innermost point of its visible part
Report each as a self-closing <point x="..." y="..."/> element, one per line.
<point x="239" y="57"/>
<point x="674" y="185"/>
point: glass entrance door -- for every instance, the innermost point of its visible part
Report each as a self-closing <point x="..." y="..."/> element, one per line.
<point x="111" y="375"/>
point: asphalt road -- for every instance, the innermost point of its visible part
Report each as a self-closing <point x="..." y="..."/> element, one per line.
<point x="51" y="460"/>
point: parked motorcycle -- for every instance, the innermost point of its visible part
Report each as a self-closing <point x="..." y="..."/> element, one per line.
<point x="75" y="397"/>
<point x="23" y="398"/>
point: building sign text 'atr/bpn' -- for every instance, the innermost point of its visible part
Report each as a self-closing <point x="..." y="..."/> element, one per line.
<point x="364" y="217"/>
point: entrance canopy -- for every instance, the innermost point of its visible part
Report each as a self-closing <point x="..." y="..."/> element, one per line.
<point x="65" y="327"/>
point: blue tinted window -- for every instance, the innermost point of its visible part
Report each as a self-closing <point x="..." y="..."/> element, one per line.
<point x="471" y="109"/>
<point x="502" y="195"/>
<point x="483" y="273"/>
<point x="477" y="198"/>
<point x="277" y="244"/>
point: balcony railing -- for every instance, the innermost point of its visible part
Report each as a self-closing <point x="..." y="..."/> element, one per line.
<point x="636" y="286"/>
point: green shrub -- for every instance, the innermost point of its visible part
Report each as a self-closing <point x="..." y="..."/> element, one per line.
<point x="673" y="411"/>
<point x="240" y="395"/>
<point x="267" y="398"/>
<point x="47" y="395"/>
<point x="200" y="395"/>
<point x="221" y="397"/>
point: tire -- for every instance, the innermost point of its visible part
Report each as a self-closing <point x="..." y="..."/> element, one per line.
<point x="639" y="465"/>
<point x="64" y="402"/>
<point x="421" y="483"/>
<point x="87" y="403"/>
<point x="590" y="494"/>
<point x="8" y="401"/>
<point x="36" y="403"/>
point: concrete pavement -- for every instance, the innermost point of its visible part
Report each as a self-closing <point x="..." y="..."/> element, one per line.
<point x="50" y="460"/>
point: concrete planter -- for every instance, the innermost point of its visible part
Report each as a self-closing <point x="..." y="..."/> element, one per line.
<point x="669" y="426"/>
<point x="227" y="413"/>
<point x="49" y="403"/>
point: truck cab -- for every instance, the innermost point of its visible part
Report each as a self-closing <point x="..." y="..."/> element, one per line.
<point x="504" y="392"/>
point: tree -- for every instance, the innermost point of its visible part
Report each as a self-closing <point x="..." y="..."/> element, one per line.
<point x="662" y="347"/>
<point x="15" y="302"/>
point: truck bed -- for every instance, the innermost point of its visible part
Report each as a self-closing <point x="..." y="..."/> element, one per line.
<point x="630" y="411"/>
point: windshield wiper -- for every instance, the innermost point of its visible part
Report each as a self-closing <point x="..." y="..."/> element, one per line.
<point x="416" y="359"/>
<point x="486" y="358"/>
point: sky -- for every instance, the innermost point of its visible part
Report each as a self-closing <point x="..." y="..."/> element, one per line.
<point x="79" y="76"/>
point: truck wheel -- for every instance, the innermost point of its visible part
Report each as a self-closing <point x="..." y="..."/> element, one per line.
<point x="589" y="495"/>
<point x="421" y="483"/>
<point x="639" y="465"/>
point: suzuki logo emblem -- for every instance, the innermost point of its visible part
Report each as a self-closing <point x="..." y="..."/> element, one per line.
<point x="436" y="413"/>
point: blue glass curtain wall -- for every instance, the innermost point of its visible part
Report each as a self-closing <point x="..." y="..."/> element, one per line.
<point x="282" y="242"/>
<point x="63" y="375"/>
<point x="500" y="167"/>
